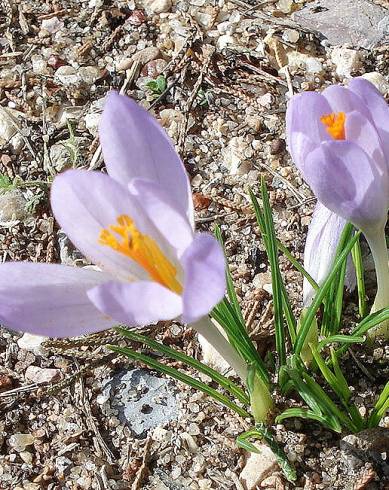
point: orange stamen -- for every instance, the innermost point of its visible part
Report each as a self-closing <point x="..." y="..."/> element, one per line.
<point x="335" y="124"/>
<point x="125" y="238"/>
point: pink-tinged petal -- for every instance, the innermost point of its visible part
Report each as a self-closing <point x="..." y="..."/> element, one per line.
<point x="205" y="283"/>
<point x="162" y="212"/>
<point x="136" y="304"/>
<point x="303" y="117"/>
<point x="378" y="108"/>
<point x="341" y="99"/>
<point x="347" y="182"/>
<point x="84" y="203"/>
<point x="135" y="145"/>
<point x="50" y="299"/>
<point x="323" y="237"/>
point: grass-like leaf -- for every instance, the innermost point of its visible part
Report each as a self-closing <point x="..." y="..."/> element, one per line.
<point x="224" y="382"/>
<point x="358" y="264"/>
<point x="184" y="378"/>
<point x="229" y="316"/>
<point x="280" y="299"/>
<point x="340" y="339"/>
<point x="380" y="408"/>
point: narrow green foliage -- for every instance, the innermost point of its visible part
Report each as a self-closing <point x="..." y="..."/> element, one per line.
<point x="262" y="432"/>
<point x="224" y="382"/>
<point x="358" y="264"/>
<point x="184" y="378"/>
<point x="229" y="316"/>
<point x="297" y="265"/>
<point x="340" y="339"/>
<point x="334" y="298"/>
<point x="280" y="299"/>
<point x="380" y="408"/>
<point x="5" y="183"/>
<point x="365" y="325"/>
<point x="203" y="97"/>
<point x="307" y="414"/>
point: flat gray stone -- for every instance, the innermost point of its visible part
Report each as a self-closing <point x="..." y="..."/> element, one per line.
<point x="369" y="445"/>
<point x="360" y="23"/>
<point x="141" y="400"/>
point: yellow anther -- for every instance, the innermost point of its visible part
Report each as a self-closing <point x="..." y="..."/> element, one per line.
<point x="334" y="124"/>
<point x="125" y="238"/>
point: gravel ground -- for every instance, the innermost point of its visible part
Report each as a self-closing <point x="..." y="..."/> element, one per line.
<point x="226" y="70"/>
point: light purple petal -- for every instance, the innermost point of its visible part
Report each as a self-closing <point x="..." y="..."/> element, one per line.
<point x="84" y="203"/>
<point x="303" y="116"/>
<point x="323" y="237"/>
<point x="347" y="182"/>
<point x="50" y="299"/>
<point x="302" y="146"/>
<point x="205" y="283"/>
<point x="341" y="99"/>
<point x="161" y="211"/>
<point x="362" y="132"/>
<point x="378" y="108"/>
<point x="136" y="304"/>
<point x="135" y="145"/>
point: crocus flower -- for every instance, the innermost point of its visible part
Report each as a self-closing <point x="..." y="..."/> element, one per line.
<point x="136" y="225"/>
<point x="339" y="141"/>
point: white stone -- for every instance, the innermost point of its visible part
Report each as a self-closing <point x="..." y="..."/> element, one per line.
<point x="19" y="441"/>
<point x="12" y="207"/>
<point x="286" y="6"/>
<point x="224" y="41"/>
<point x="92" y="122"/>
<point x="143" y="56"/>
<point x="39" y="65"/>
<point x="32" y="343"/>
<point x="258" y="467"/>
<point x="303" y="62"/>
<point x="157" y="6"/>
<point x="26" y="457"/>
<point x="290" y="35"/>
<point x="89" y="74"/>
<point x="52" y="25"/>
<point x="378" y="80"/>
<point x="39" y="375"/>
<point x="8" y="132"/>
<point x="172" y="120"/>
<point x="67" y="75"/>
<point x="346" y="60"/>
<point x="161" y="435"/>
<point x="261" y="279"/>
<point x="234" y="156"/>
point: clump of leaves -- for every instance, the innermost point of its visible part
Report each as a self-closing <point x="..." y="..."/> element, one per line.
<point x="158" y="86"/>
<point x="203" y="97"/>
<point x="72" y="147"/>
<point x="6" y="183"/>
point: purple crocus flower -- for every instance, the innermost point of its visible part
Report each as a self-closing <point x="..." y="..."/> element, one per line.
<point x="339" y="140"/>
<point x="137" y="225"/>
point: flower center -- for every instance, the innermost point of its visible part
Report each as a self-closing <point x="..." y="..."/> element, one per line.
<point x="125" y="238"/>
<point x="334" y="124"/>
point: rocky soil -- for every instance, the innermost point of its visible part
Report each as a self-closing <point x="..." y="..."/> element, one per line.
<point x="222" y="73"/>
